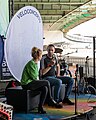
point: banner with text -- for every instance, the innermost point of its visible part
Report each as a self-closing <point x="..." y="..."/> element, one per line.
<point x="24" y="32"/>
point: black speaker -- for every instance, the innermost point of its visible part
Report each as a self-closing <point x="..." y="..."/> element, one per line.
<point x="90" y="81"/>
<point x="81" y="72"/>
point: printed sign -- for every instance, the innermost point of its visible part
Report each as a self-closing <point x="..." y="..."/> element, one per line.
<point x="24" y="32"/>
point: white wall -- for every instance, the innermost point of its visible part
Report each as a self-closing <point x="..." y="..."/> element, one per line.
<point x="52" y="36"/>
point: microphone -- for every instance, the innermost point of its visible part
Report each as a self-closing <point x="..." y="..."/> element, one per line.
<point x="87" y="58"/>
<point x="52" y="62"/>
<point x="53" y="57"/>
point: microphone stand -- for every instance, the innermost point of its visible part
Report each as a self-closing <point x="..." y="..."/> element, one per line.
<point x="75" y="96"/>
<point x="76" y="80"/>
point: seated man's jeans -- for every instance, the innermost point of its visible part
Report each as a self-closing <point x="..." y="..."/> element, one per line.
<point x="57" y="82"/>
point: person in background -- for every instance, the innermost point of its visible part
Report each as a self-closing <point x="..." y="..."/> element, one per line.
<point x="30" y="80"/>
<point x="66" y="71"/>
<point x="50" y="70"/>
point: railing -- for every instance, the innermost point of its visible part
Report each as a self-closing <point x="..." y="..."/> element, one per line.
<point x="81" y="62"/>
<point x="79" y="38"/>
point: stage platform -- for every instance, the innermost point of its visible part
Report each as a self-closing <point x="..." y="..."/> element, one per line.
<point x="86" y="110"/>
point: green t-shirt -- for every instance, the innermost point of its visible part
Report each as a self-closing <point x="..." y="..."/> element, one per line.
<point x="30" y="73"/>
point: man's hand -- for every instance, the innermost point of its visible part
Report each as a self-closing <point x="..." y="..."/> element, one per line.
<point x="52" y="63"/>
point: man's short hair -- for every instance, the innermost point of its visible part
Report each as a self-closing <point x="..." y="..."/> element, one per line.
<point x="50" y="45"/>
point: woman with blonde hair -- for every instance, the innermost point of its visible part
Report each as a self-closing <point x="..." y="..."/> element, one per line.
<point x="30" y="80"/>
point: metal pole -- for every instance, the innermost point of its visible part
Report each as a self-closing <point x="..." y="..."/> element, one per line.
<point x="75" y="97"/>
<point x="9" y="11"/>
<point x="76" y="88"/>
<point x="12" y="8"/>
<point x="94" y="60"/>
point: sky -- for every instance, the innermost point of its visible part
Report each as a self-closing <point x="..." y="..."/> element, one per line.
<point x="84" y="29"/>
<point x="87" y="29"/>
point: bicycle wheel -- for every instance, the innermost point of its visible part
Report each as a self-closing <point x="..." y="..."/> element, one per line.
<point x="91" y="90"/>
